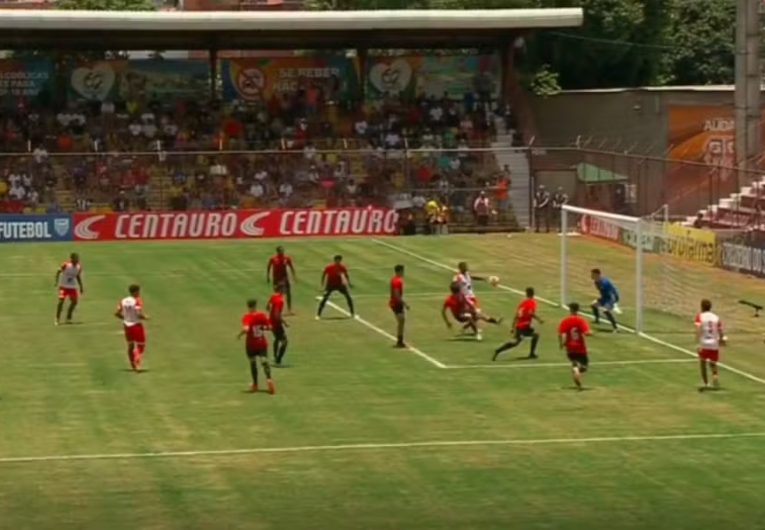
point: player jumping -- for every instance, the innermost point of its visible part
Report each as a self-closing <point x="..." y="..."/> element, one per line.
<point x="571" y="332"/>
<point x="607" y="300"/>
<point x="275" y="309"/>
<point x="461" y="309"/>
<point x="464" y="279"/>
<point x="254" y="325"/>
<point x="68" y="279"/>
<point x="279" y="269"/>
<point x="397" y="304"/>
<point x="710" y="336"/>
<point x="335" y="279"/>
<point x="130" y="311"/>
<point x="525" y="314"/>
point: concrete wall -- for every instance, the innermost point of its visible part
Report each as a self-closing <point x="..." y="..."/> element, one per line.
<point x="624" y="119"/>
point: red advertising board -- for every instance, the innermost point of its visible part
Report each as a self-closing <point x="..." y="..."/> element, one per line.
<point x="599" y="227"/>
<point x="234" y="224"/>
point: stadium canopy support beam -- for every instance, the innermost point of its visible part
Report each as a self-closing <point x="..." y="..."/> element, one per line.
<point x="213" y="73"/>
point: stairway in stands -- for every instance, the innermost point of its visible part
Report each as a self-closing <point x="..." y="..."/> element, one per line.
<point x="517" y="161"/>
<point x="739" y="210"/>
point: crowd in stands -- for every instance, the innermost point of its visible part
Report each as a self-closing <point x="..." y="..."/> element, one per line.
<point x="292" y="150"/>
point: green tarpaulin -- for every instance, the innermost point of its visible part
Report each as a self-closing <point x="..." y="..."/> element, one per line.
<point x="590" y="174"/>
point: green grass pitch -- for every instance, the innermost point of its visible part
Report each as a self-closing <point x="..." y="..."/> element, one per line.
<point x="360" y="435"/>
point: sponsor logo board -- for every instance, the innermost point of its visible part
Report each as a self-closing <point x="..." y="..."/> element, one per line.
<point x="35" y="228"/>
<point x="236" y="224"/>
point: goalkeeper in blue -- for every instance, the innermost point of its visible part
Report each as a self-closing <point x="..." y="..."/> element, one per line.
<point x="608" y="299"/>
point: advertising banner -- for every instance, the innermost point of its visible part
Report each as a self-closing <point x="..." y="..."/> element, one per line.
<point x="96" y="81"/>
<point x="454" y="75"/>
<point x="135" y="80"/>
<point x="701" y="133"/>
<point x="690" y="244"/>
<point x="235" y="224"/>
<point x="743" y="258"/>
<point x="23" y="80"/>
<point x="601" y="228"/>
<point x="165" y="78"/>
<point x="35" y="228"/>
<point x="261" y="78"/>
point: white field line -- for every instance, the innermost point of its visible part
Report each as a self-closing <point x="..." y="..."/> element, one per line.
<point x="385" y="334"/>
<point x="531" y="364"/>
<point x="381" y="447"/>
<point x="679" y="349"/>
<point x="186" y="272"/>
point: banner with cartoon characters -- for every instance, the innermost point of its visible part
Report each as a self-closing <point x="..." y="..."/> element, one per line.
<point x="138" y="80"/>
<point x="261" y="78"/>
<point x="454" y="75"/>
<point x="23" y="80"/>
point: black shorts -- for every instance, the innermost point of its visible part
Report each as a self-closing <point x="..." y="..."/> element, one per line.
<point x="256" y="352"/>
<point x="527" y="331"/>
<point x="342" y="289"/>
<point x="279" y="331"/>
<point x="579" y="358"/>
<point x="398" y="309"/>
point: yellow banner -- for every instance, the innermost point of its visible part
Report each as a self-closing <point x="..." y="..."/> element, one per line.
<point x="691" y="244"/>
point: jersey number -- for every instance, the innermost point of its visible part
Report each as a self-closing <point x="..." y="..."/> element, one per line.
<point x="257" y="331"/>
<point x="574" y="334"/>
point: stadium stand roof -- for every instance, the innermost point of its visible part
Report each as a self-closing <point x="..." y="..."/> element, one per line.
<point x="224" y="30"/>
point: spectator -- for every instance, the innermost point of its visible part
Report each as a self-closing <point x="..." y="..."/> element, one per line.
<point x="121" y="203"/>
<point x="285" y="192"/>
<point x="82" y="203"/>
<point x="482" y="209"/>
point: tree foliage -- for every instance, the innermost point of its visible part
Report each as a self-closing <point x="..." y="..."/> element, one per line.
<point x="622" y="42"/>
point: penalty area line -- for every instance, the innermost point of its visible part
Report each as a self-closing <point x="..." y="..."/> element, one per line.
<point x="660" y="342"/>
<point x="381" y="447"/>
<point x="532" y="364"/>
<point x="385" y="334"/>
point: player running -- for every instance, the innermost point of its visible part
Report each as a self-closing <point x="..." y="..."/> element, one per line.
<point x="461" y="309"/>
<point x="710" y="336"/>
<point x="571" y="332"/>
<point x="397" y="304"/>
<point x="68" y="279"/>
<point x="254" y="325"/>
<point x="335" y="279"/>
<point x="608" y="299"/>
<point x="279" y="269"/>
<point x="130" y="311"/>
<point x="275" y="308"/>
<point x="525" y="314"/>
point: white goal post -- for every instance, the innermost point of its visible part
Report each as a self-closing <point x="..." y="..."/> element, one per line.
<point x="661" y="269"/>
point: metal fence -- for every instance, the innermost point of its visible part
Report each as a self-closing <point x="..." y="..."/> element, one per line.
<point x="639" y="185"/>
<point x="610" y="181"/>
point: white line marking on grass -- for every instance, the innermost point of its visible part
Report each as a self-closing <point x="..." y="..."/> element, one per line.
<point x="380" y="447"/>
<point x="532" y="364"/>
<point x="385" y="334"/>
<point x="679" y="349"/>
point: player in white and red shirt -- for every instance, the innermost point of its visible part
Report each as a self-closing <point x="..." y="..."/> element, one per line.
<point x="130" y="311"/>
<point x="710" y="336"/>
<point x="69" y="284"/>
<point x="464" y="280"/>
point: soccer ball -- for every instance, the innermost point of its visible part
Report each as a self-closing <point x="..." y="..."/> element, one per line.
<point x="493" y="281"/>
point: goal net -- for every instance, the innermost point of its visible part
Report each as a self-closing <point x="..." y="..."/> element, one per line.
<point x="662" y="270"/>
